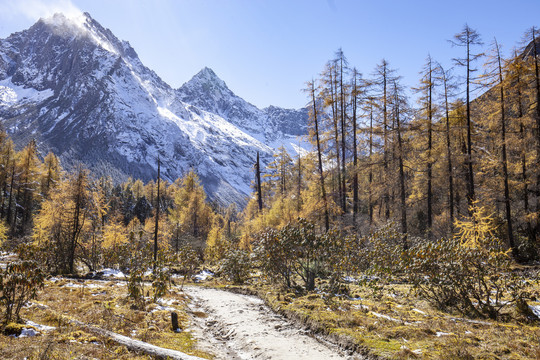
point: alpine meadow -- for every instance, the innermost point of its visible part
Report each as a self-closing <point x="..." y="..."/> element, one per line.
<point x="384" y="219"/>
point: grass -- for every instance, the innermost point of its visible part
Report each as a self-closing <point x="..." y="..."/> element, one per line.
<point x="391" y="323"/>
<point x="103" y="304"/>
<point x="387" y="322"/>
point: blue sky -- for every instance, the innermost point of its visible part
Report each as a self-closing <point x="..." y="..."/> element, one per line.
<point x="266" y="50"/>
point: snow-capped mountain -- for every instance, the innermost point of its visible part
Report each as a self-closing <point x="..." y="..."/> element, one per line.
<point x="271" y="125"/>
<point x="76" y="89"/>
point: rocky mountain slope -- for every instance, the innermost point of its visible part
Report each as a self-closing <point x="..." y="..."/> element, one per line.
<point x="76" y="89"/>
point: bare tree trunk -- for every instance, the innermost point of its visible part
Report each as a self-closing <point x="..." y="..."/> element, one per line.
<point x="343" y="135"/>
<point x="333" y="94"/>
<point x="401" y="177"/>
<point x="449" y="156"/>
<point x="370" y="180"/>
<point x="355" y="155"/>
<point x="429" y="163"/>
<point x="157" y="216"/>
<point x="504" y="157"/>
<point x="319" y="155"/>
<point x="530" y="233"/>
<point x="537" y="116"/>
<point x="386" y="196"/>
<point x="470" y="177"/>
<point x="258" y="179"/>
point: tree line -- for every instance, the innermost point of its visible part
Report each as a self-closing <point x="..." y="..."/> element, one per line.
<point x="471" y="139"/>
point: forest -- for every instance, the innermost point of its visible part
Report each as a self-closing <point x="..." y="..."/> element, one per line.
<point x="435" y="187"/>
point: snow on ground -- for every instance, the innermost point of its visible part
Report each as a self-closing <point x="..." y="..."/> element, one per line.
<point x="82" y="285"/>
<point x="28" y="332"/>
<point x="440" y="333"/>
<point x="535" y="309"/>
<point x="203" y="275"/>
<point x="40" y="327"/>
<point x="162" y="308"/>
<point x="393" y="319"/>
<point x="113" y="273"/>
<point x="419" y="311"/>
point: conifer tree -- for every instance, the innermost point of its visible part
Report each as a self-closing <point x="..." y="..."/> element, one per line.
<point x="314" y="132"/>
<point x="398" y="105"/>
<point x="467" y="38"/>
<point x="497" y="72"/>
<point x="384" y="77"/>
<point x="445" y="78"/>
<point x="426" y="90"/>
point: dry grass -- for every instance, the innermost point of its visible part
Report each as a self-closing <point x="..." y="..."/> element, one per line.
<point x="104" y="304"/>
<point x="392" y="323"/>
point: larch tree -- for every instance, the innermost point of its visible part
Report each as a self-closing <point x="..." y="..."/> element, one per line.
<point x="330" y="95"/>
<point x="382" y="82"/>
<point x="468" y="38"/>
<point x="495" y="76"/>
<point x="399" y="104"/>
<point x="517" y="98"/>
<point x="156" y="226"/>
<point x="426" y="100"/>
<point x="341" y="65"/>
<point x="446" y="80"/>
<point x="315" y="135"/>
<point x="531" y="52"/>
<point x="355" y="94"/>
<point x="30" y="171"/>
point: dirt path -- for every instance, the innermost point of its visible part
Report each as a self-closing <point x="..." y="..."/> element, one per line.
<point x="242" y="327"/>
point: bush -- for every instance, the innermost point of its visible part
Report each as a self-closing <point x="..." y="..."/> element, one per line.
<point x="470" y="273"/>
<point x="296" y="251"/>
<point x="236" y="265"/>
<point x="19" y="283"/>
<point x="135" y="285"/>
<point x="160" y="276"/>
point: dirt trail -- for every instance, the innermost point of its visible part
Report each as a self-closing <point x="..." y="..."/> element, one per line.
<point x="243" y="327"/>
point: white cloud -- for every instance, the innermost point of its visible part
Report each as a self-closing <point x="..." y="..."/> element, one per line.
<point x="35" y="9"/>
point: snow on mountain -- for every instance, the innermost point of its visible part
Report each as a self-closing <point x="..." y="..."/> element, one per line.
<point x="73" y="86"/>
<point x="274" y="126"/>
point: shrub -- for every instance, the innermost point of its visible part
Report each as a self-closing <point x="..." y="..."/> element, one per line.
<point x="294" y="250"/>
<point x="470" y="273"/>
<point x="135" y="285"/>
<point x="236" y="265"/>
<point x="160" y="276"/>
<point x="19" y="283"/>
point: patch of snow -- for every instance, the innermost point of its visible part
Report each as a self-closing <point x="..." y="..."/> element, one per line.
<point x="394" y="319"/>
<point x="203" y="275"/>
<point x="535" y="309"/>
<point x="113" y="273"/>
<point x="40" y="327"/>
<point x="83" y="285"/>
<point x="419" y="311"/>
<point x="11" y="94"/>
<point x="385" y="317"/>
<point x="166" y="302"/>
<point x="361" y="306"/>
<point x="162" y="308"/>
<point x="440" y="333"/>
<point x="29" y="332"/>
<point x="39" y="306"/>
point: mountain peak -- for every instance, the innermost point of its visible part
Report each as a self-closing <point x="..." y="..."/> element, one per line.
<point x="207" y="77"/>
<point x="79" y="25"/>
